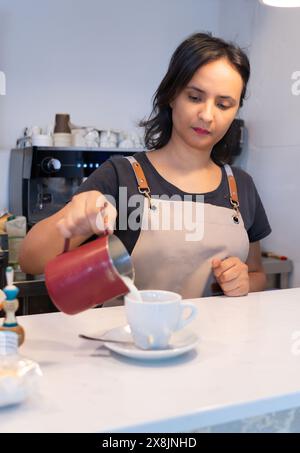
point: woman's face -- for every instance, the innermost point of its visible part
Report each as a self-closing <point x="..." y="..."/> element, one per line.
<point x="209" y="102"/>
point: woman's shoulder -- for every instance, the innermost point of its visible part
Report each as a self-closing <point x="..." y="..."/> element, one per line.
<point x="120" y="161"/>
<point x="242" y="177"/>
<point x="247" y="191"/>
<point x="123" y="169"/>
<point x="251" y="207"/>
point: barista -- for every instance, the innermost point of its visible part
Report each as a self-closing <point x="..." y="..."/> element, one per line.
<point x="182" y="181"/>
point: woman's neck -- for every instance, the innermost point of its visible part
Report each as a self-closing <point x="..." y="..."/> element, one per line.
<point x="183" y="158"/>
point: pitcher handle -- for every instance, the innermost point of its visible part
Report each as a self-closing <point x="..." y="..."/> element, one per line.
<point x="66" y="245"/>
<point x="67" y="241"/>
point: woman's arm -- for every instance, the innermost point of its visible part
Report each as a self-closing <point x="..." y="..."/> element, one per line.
<point x="78" y="220"/>
<point x="237" y="278"/>
<point x="257" y="276"/>
<point x="43" y="242"/>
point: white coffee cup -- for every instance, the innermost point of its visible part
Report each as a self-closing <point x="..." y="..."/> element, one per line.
<point x="78" y="140"/>
<point x="35" y="130"/>
<point x="62" y="139"/>
<point x="153" y="321"/>
<point x="42" y="140"/>
<point x="108" y="139"/>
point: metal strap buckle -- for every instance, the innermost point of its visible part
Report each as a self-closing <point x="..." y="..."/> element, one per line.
<point x="236" y="219"/>
<point x="146" y="193"/>
<point x="234" y="203"/>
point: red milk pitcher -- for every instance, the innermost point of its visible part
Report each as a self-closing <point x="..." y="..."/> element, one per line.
<point x="88" y="275"/>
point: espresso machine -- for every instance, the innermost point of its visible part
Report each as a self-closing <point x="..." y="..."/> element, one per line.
<point x="43" y="179"/>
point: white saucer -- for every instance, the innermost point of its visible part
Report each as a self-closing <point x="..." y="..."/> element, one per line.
<point x="181" y="342"/>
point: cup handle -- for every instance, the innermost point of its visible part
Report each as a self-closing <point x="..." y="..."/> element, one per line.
<point x="184" y="321"/>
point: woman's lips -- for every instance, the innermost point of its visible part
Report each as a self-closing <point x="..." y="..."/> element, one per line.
<point x="201" y="131"/>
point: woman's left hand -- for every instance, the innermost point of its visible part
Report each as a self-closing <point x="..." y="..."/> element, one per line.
<point x="232" y="275"/>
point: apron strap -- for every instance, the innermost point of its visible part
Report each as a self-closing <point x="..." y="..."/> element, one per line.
<point x="144" y="188"/>
<point x="140" y="177"/>
<point x="234" y="200"/>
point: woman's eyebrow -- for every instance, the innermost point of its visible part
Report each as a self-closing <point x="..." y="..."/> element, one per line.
<point x="229" y="98"/>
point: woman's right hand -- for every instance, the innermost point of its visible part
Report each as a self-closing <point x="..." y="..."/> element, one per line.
<point x="86" y="214"/>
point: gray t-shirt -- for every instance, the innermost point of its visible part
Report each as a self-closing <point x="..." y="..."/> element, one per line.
<point x="117" y="173"/>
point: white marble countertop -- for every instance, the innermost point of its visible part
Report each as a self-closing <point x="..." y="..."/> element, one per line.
<point x="246" y="364"/>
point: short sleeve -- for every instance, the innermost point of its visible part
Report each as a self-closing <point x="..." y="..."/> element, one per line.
<point x="104" y="180"/>
<point x="260" y="227"/>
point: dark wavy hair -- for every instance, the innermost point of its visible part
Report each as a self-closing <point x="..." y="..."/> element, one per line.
<point x="194" y="52"/>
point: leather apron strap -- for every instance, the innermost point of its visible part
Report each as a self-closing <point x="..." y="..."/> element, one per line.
<point x="141" y="180"/>
<point x="234" y="200"/>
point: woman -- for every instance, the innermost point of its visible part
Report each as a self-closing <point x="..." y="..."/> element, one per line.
<point x="198" y="223"/>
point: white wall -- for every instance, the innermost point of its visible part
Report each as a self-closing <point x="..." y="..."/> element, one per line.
<point x="273" y="116"/>
<point x="236" y="21"/>
<point x="4" y="172"/>
<point x="99" y="60"/>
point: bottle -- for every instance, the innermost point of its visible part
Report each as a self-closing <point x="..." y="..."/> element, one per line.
<point x="16" y="231"/>
<point x="10" y="305"/>
<point x="3" y="258"/>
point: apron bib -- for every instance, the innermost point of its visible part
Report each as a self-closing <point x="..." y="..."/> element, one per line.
<point x="169" y="255"/>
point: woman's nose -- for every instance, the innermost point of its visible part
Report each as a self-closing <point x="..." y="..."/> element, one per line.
<point x="206" y="113"/>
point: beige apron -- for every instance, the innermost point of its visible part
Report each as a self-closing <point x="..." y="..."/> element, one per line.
<point x="169" y="256"/>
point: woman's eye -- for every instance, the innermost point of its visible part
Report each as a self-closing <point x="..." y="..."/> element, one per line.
<point x="194" y="98"/>
<point x="223" y="107"/>
<point x="199" y="99"/>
